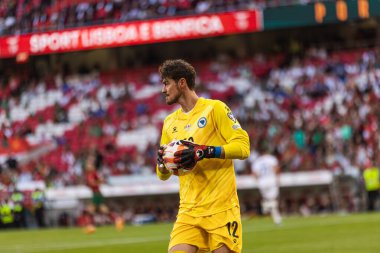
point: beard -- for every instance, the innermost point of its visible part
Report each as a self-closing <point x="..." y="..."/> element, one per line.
<point x="173" y="100"/>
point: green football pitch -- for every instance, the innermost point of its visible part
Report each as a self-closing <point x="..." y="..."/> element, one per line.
<point x="359" y="233"/>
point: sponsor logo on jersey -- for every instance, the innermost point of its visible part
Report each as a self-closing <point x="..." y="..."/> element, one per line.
<point x="235" y="126"/>
<point x="202" y="122"/>
<point x="231" y="116"/>
<point x="174" y="130"/>
<point x="187" y="127"/>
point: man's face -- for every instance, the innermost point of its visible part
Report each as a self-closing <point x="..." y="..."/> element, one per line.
<point x="171" y="91"/>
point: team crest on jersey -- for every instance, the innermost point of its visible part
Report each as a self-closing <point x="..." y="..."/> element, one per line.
<point x="231" y="116"/>
<point x="202" y="122"/>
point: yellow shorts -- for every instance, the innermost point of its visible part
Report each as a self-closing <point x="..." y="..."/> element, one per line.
<point x="209" y="233"/>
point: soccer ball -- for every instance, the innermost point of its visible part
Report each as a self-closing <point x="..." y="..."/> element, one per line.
<point x="168" y="156"/>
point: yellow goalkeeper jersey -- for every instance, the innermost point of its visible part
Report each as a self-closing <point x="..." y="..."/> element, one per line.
<point x="211" y="186"/>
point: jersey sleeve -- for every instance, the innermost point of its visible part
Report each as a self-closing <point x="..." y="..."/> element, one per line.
<point x="237" y="139"/>
<point x="164" y="140"/>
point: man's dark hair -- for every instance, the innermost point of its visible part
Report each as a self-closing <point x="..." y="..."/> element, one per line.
<point x="177" y="69"/>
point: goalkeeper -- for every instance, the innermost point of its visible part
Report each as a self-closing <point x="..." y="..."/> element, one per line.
<point x="209" y="215"/>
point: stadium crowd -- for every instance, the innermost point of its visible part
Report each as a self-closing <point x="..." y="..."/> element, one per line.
<point x="29" y="16"/>
<point x="315" y="111"/>
<point x="329" y="107"/>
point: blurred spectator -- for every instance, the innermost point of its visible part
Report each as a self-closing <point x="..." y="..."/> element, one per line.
<point x="38" y="200"/>
<point x="371" y="175"/>
<point x="19" y="212"/>
<point x="6" y="212"/>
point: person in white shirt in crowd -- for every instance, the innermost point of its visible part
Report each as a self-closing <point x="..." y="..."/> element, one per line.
<point x="265" y="168"/>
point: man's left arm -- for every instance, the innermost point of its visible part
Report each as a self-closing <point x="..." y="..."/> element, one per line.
<point x="237" y="139"/>
<point x="237" y="146"/>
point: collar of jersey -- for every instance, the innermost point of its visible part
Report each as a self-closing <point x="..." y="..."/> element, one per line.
<point x="196" y="108"/>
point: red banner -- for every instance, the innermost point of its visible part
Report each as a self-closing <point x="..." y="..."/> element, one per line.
<point x="132" y="33"/>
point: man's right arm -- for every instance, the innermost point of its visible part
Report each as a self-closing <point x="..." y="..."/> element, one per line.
<point x="162" y="172"/>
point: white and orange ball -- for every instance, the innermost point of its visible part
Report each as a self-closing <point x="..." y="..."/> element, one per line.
<point x="169" y="151"/>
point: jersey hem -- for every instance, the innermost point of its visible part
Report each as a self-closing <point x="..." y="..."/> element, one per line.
<point x="206" y="213"/>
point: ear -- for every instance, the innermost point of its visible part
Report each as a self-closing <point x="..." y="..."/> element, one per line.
<point x="182" y="83"/>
